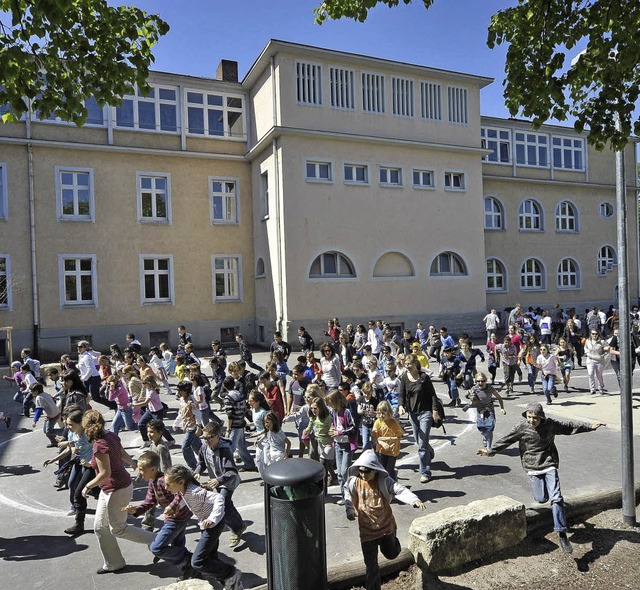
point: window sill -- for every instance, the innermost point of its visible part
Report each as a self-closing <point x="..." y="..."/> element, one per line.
<point x="82" y="219"/>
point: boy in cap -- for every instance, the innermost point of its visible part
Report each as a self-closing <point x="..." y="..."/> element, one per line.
<point x="539" y="457"/>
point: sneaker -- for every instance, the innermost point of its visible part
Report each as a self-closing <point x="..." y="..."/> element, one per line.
<point x="451" y="404"/>
<point x="234" y="582"/>
<point x="340" y="502"/>
<point x="235" y="538"/>
<point x="425" y="478"/>
<point x="76" y="530"/>
<point x="71" y="512"/>
<point x="566" y="388"/>
<point x="458" y="402"/>
<point x="549" y="403"/>
<point x="8" y="421"/>
<point x="592" y="392"/>
<point x="555" y="393"/>
<point x="600" y="392"/>
<point x="565" y="544"/>
<point x="145" y="444"/>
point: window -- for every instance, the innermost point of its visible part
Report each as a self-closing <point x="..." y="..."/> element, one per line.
<point x="215" y="114"/>
<point x="5" y="282"/>
<point x="74" y="188"/>
<point x="373" y="93"/>
<point x="607" y="259"/>
<point x="605" y="210"/>
<point x="156" y="112"/>
<point x="264" y="195"/>
<point x="532" y="275"/>
<point x="499" y="142"/>
<point x="493" y="214"/>
<point x="431" y="100"/>
<point x="402" y="94"/>
<point x="356" y="173"/>
<point x="78" y="281"/>
<point x="260" y="270"/>
<point x="342" y="88"/>
<point x="568" y="153"/>
<point x="309" y="83"/>
<point x="332" y="265"/>
<point x="318" y="171"/>
<point x="95" y="115"/>
<point x="457" y="105"/>
<point x="226" y="278"/>
<point x="530" y="216"/>
<point x="454" y="181"/>
<point x="566" y="217"/>
<point x="532" y="149"/>
<point x="4" y="190"/>
<point x="496" y="275"/>
<point x="448" y="264"/>
<point x="390" y="176"/>
<point x="154" y="197"/>
<point x="424" y="178"/>
<point x="568" y="274"/>
<point x="156" y="278"/>
<point x="224" y="200"/>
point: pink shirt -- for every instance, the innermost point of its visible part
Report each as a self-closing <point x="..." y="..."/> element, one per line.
<point x="153" y="400"/>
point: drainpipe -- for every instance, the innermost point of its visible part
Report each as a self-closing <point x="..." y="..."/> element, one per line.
<point x="32" y="244"/>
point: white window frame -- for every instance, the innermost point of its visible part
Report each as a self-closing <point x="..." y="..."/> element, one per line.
<point x="8" y="306"/>
<point x="342" y="88"/>
<point x="431" y="100"/>
<point x="496" y="139"/>
<point x="154" y="193"/>
<point x="225" y="200"/>
<point x="602" y="209"/>
<point x="264" y="194"/>
<point x="354" y="167"/>
<point x="523" y="216"/>
<point x="227" y="272"/>
<point x="57" y="120"/>
<point x="499" y="214"/>
<point x="454" y="259"/>
<point x="568" y="153"/>
<point x="563" y="217"/>
<point x="499" y="272"/>
<point x="205" y="108"/>
<point x="458" y="105"/>
<point x="309" y="83"/>
<point x="573" y="275"/>
<point x="373" y="93"/>
<point x="4" y="192"/>
<point x="59" y="170"/>
<point x="137" y="99"/>
<point x="317" y="163"/>
<point x="539" y="142"/>
<point x="157" y="273"/>
<point x="340" y="259"/>
<point x="449" y="183"/>
<point x="78" y="274"/>
<point x="606" y="263"/>
<point x="526" y="274"/>
<point x="388" y="170"/>
<point x="402" y="97"/>
<point x="421" y="185"/>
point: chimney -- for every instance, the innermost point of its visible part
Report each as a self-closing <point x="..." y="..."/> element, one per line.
<point x="227" y="71"/>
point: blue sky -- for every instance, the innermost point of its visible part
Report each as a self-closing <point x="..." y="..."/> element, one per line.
<point x="451" y="35"/>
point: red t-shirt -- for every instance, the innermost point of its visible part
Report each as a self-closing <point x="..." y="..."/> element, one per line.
<point x="110" y="445"/>
<point x="274" y="398"/>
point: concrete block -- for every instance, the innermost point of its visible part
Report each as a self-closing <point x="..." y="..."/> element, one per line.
<point x="454" y="536"/>
<point x="192" y="584"/>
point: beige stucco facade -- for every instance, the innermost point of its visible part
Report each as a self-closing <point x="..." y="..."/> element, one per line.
<point x="324" y="184"/>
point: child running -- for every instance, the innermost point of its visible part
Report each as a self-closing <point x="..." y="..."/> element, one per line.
<point x="273" y="445"/>
<point x="386" y="435"/>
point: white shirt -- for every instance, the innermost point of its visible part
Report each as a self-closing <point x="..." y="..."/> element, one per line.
<point x="87" y="366"/>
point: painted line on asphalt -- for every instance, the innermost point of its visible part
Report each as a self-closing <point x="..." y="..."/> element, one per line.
<point x="6" y="442"/>
<point x="26" y="508"/>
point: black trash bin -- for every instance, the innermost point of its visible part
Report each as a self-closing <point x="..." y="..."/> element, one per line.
<point x="294" y="524"/>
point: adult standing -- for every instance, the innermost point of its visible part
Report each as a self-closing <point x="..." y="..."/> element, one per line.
<point x="116" y="490"/>
<point x="184" y="338"/>
<point x="418" y="397"/>
<point x="595" y="350"/>
<point x="330" y="367"/>
<point x="491" y="323"/>
<point x="90" y="375"/>
<point x="374" y="338"/>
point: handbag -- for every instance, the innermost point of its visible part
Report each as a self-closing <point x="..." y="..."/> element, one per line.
<point x="341" y="438"/>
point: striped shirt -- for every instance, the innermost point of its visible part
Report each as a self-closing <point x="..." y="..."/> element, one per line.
<point x="157" y="493"/>
<point x="204" y="504"/>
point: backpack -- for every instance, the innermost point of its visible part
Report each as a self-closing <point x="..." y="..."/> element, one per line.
<point x="438" y="407"/>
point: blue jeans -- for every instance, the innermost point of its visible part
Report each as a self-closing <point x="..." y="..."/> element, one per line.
<point x="548" y="385"/>
<point x="546" y="487"/>
<point x="146" y="418"/>
<point x="205" y="556"/>
<point x="453" y="388"/>
<point x="365" y="432"/>
<point x="344" y="457"/>
<point x="190" y="446"/>
<point x="238" y="442"/>
<point x="232" y="517"/>
<point x="486" y="425"/>
<point x="421" y="425"/>
<point x="532" y="373"/>
<point x="169" y="543"/>
<point x="121" y="418"/>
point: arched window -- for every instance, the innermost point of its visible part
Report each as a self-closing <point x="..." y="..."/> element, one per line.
<point x="530" y="216"/>
<point x="260" y="272"/>
<point x="532" y="275"/>
<point x="448" y="264"/>
<point x="605" y="209"/>
<point x="607" y="259"/>
<point x="568" y="274"/>
<point x="493" y="214"/>
<point x="332" y="265"/>
<point x="496" y="275"/>
<point x="393" y="264"/>
<point x="566" y="217"/>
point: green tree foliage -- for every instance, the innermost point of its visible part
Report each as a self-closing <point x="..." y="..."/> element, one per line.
<point x="542" y="36"/>
<point x="57" y="52"/>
